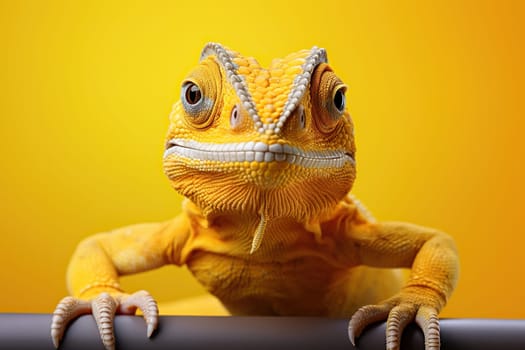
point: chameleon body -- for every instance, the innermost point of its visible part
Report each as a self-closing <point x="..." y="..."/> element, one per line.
<point x="266" y="159"/>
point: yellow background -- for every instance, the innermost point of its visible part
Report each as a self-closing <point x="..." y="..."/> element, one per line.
<point x="436" y="93"/>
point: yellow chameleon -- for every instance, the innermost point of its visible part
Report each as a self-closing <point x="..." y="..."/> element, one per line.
<point x="266" y="159"/>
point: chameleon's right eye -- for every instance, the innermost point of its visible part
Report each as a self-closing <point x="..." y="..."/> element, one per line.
<point x="199" y="94"/>
<point x="191" y="93"/>
<point x="197" y="105"/>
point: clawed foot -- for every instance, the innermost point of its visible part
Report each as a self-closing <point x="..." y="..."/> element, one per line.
<point x="104" y="307"/>
<point x="399" y="311"/>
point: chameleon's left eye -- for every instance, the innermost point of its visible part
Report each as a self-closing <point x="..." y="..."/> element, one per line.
<point x="339" y="98"/>
<point x="327" y="92"/>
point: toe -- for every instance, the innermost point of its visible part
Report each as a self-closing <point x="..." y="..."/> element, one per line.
<point x="104" y="307"/>
<point x="364" y="317"/>
<point x="427" y="319"/>
<point x="398" y="318"/>
<point x="67" y="310"/>
<point x="147" y="305"/>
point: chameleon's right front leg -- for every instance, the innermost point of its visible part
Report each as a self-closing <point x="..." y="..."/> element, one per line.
<point x="104" y="307"/>
<point x="98" y="262"/>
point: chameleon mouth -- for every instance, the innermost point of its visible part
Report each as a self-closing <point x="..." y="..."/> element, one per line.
<point x="257" y="152"/>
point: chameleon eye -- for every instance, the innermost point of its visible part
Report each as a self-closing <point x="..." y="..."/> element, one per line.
<point x="192" y="93"/>
<point x="327" y="92"/>
<point x="340" y="98"/>
<point x="199" y="93"/>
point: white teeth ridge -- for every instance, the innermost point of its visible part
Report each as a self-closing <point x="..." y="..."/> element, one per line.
<point x="258" y="152"/>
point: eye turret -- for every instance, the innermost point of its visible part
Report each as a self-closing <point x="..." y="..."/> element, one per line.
<point x="200" y="93"/>
<point x="327" y="93"/>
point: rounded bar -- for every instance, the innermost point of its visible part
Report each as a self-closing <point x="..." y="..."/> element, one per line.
<point x="32" y="331"/>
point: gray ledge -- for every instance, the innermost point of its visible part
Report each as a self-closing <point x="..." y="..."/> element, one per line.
<point x="32" y="331"/>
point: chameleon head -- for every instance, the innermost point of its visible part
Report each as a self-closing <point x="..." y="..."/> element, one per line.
<point x="274" y="141"/>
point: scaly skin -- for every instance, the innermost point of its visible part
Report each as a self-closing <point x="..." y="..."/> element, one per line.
<point x="265" y="158"/>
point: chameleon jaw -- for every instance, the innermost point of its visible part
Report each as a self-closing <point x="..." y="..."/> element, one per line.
<point x="257" y="152"/>
<point x="218" y="178"/>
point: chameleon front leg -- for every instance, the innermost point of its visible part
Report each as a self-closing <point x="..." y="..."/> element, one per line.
<point x="433" y="259"/>
<point x="104" y="307"/>
<point x="98" y="262"/>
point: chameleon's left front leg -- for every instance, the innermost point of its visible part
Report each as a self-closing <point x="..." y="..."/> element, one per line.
<point x="433" y="259"/>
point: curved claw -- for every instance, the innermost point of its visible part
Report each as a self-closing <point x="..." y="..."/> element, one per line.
<point x="67" y="310"/>
<point x="104" y="307"/>
<point x="427" y="319"/>
<point x="365" y="316"/>
<point x="147" y="305"/>
<point x="398" y="316"/>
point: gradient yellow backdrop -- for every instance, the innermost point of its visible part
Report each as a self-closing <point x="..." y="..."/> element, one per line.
<point x="436" y="93"/>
